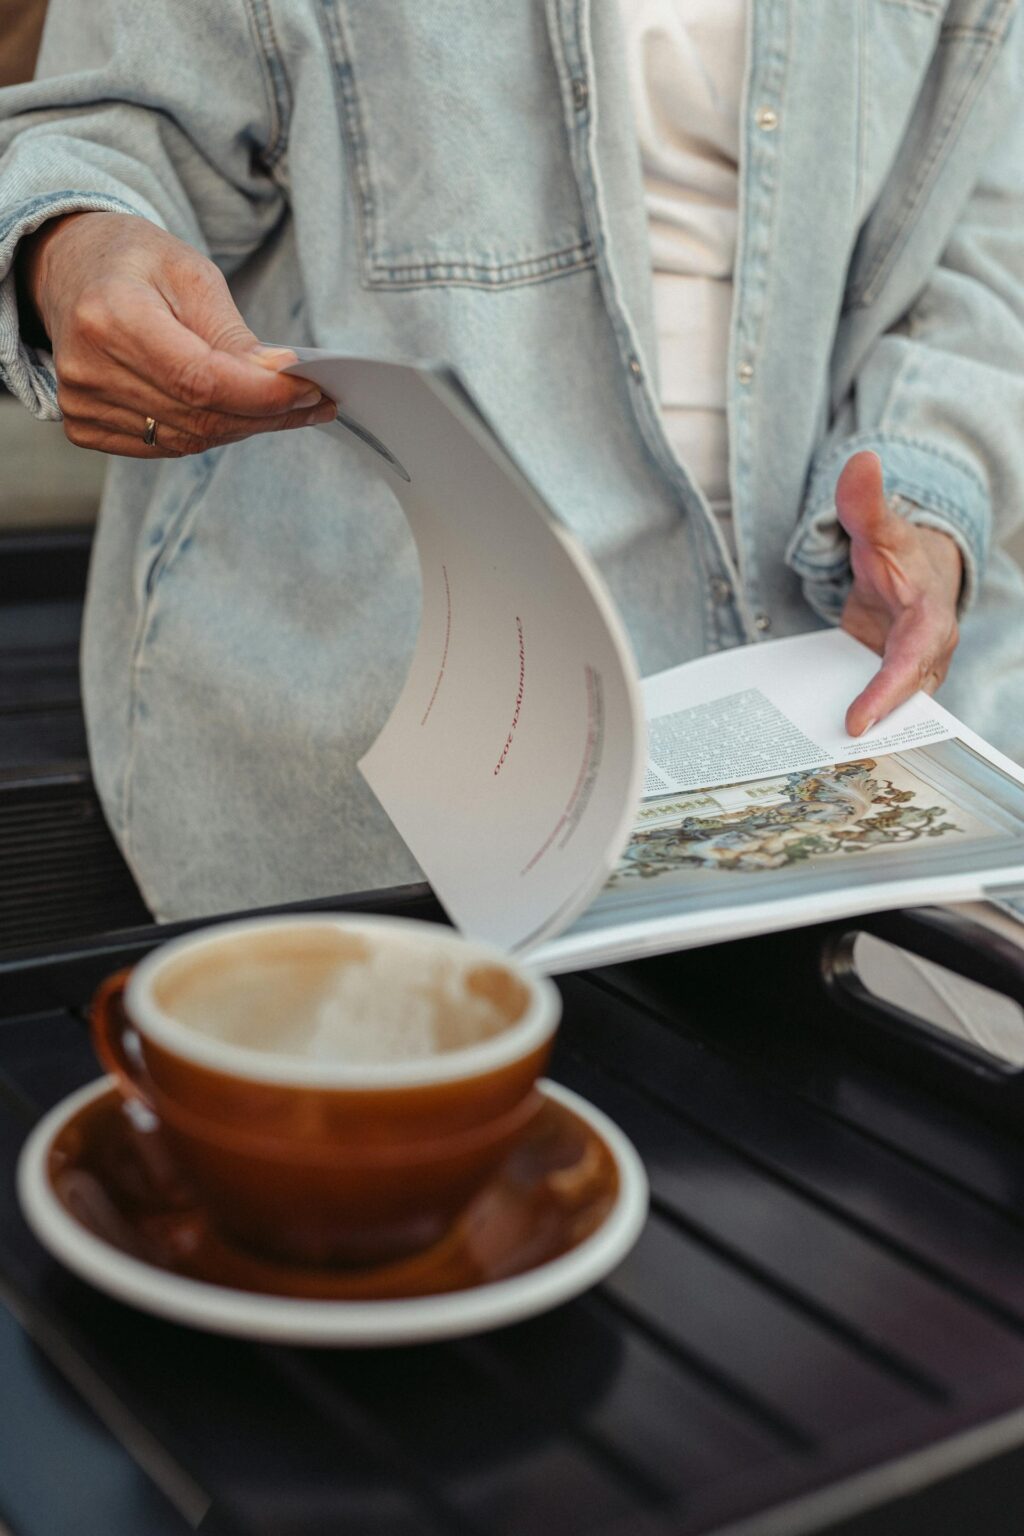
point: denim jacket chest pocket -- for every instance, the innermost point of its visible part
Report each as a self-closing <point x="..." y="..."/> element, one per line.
<point x="454" y="185"/>
<point x="923" y="64"/>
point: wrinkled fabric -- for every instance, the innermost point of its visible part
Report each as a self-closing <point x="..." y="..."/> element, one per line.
<point x="461" y="183"/>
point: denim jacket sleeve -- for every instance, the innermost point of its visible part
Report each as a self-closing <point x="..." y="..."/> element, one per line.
<point x="161" y="108"/>
<point x="940" y="395"/>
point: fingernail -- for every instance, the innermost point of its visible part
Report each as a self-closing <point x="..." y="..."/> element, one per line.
<point x="328" y="412"/>
<point x="309" y="397"/>
<point x="869" y="727"/>
<point x="273" y="357"/>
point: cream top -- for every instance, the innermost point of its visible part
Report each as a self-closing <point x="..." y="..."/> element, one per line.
<point x="686" y="61"/>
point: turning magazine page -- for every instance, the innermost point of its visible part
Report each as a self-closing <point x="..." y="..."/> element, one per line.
<point x="918" y="810"/>
<point x="512" y="761"/>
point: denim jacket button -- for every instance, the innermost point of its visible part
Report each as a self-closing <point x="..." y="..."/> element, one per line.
<point x="580" y="94"/>
<point x="721" y="590"/>
<point x="745" y="372"/>
<point x="766" y="118"/>
<point x="762" y="623"/>
<point x="635" y="369"/>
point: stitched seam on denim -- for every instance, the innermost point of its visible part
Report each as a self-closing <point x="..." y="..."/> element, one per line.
<point x="279" y="100"/>
<point x="926" y="7"/>
<point x="774" y="145"/>
<point x="93" y="202"/>
<point x="928" y="500"/>
<point x="161" y="562"/>
<point x="863" y="66"/>
<point x="930" y="510"/>
<point x="994" y="24"/>
<point x="892" y="241"/>
<point x="935" y="8"/>
<point x="444" y="266"/>
<point x="352" y="125"/>
<point x="761" y="171"/>
<point x="871" y="436"/>
<point x="497" y="268"/>
<point x="925" y="497"/>
<point x="737" y="464"/>
<point x="955" y="33"/>
<point x="399" y="284"/>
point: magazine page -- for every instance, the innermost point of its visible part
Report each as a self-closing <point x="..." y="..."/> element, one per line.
<point x="513" y="759"/>
<point x="865" y="830"/>
<point x="772" y="708"/>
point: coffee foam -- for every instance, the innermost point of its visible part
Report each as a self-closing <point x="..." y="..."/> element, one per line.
<point x="397" y="1008"/>
<point x="342" y="997"/>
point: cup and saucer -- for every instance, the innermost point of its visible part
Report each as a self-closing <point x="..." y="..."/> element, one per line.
<point x="331" y="1131"/>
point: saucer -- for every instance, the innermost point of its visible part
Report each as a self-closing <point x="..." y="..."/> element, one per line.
<point x="99" y="1191"/>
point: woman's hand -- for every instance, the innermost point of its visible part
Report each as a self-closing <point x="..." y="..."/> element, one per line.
<point x="906" y="586"/>
<point x="141" y="326"/>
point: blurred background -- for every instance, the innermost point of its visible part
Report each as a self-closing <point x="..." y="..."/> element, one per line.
<point x="43" y="480"/>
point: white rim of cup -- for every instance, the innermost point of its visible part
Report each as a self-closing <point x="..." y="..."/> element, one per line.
<point x="527" y="1034"/>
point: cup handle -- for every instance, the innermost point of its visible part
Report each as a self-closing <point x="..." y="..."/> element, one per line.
<point x="116" y="1040"/>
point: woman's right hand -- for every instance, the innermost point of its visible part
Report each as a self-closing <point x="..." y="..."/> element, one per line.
<point x="143" y="325"/>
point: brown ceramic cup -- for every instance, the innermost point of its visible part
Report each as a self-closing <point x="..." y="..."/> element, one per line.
<point x="254" y="1044"/>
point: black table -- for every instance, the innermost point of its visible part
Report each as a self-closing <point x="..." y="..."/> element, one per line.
<point x="821" y="1328"/>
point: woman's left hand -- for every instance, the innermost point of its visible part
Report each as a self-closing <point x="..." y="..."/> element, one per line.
<point x="903" y="604"/>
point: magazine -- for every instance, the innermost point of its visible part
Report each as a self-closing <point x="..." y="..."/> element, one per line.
<point x="565" y="809"/>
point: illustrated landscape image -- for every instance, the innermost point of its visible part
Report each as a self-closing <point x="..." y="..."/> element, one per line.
<point x="835" y="812"/>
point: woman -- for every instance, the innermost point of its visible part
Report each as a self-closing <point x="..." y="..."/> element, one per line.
<point x="486" y="186"/>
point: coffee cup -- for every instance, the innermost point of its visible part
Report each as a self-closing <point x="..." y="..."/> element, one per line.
<point x="335" y="1089"/>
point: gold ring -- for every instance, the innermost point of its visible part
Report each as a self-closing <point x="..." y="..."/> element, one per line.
<point x="149" y="436"/>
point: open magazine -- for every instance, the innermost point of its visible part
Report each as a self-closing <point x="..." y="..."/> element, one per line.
<point x="561" y="807"/>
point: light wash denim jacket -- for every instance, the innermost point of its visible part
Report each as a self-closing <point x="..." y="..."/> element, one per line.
<point x="460" y="181"/>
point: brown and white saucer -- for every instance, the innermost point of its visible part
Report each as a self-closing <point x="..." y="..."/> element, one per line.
<point x="566" y="1205"/>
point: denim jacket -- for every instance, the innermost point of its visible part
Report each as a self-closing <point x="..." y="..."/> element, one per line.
<point x="461" y="182"/>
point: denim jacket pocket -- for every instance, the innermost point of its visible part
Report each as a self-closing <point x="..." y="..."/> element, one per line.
<point x="453" y="182"/>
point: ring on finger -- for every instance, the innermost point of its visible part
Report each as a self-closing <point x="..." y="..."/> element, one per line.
<point x="149" y="435"/>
